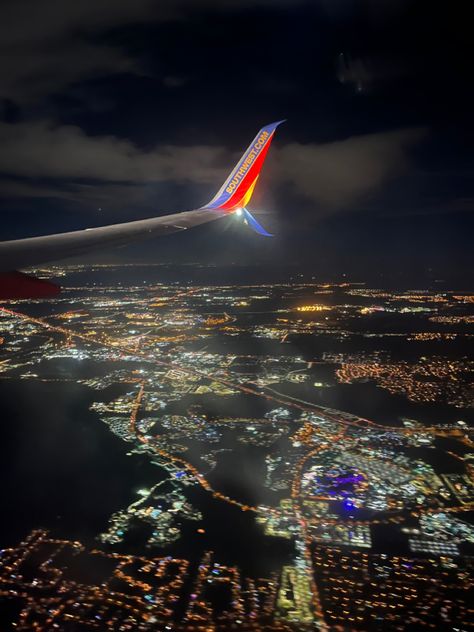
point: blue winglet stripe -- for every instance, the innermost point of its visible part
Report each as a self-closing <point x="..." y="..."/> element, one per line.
<point x="252" y="222"/>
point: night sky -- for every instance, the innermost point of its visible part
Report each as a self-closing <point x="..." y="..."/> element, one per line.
<point x="114" y="110"/>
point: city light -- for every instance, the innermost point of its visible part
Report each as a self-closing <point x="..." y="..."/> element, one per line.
<point x="173" y="392"/>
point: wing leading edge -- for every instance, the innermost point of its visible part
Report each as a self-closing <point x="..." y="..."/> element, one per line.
<point x="22" y="253"/>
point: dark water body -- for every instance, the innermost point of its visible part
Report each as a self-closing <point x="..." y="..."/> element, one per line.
<point x="239" y="405"/>
<point x="66" y="368"/>
<point x="396" y="347"/>
<point x="61" y="467"/>
<point x="389" y="539"/>
<point x="313" y="346"/>
<point x="240" y="474"/>
<point x="231" y="533"/>
<point x="438" y="458"/>
<point x="372" y="402"/>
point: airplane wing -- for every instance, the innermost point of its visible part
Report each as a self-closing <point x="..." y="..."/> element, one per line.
<point x="23" y="253"/>
<point x="232" y="197"/>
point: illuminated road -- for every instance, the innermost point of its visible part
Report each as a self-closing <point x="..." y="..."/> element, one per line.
<point x="103" y="342"/>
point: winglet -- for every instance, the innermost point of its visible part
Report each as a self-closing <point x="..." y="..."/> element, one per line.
<point x="252" y="222"/>
<point x="238" y="188"/>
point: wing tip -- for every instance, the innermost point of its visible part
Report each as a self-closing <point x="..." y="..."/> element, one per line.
<point x="271" y="127"/>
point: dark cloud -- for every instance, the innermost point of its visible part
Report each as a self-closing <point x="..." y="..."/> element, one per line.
<point x="337" y="175"/>
<point x="332" y="175"/>
<point x="45" y="46"/>
<point x="377" y="10"/>
<point x="365" y="73"/>
<point x="26" y="77"/>
<point x="42" y="149"/>
<point x="48" y="45"/>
